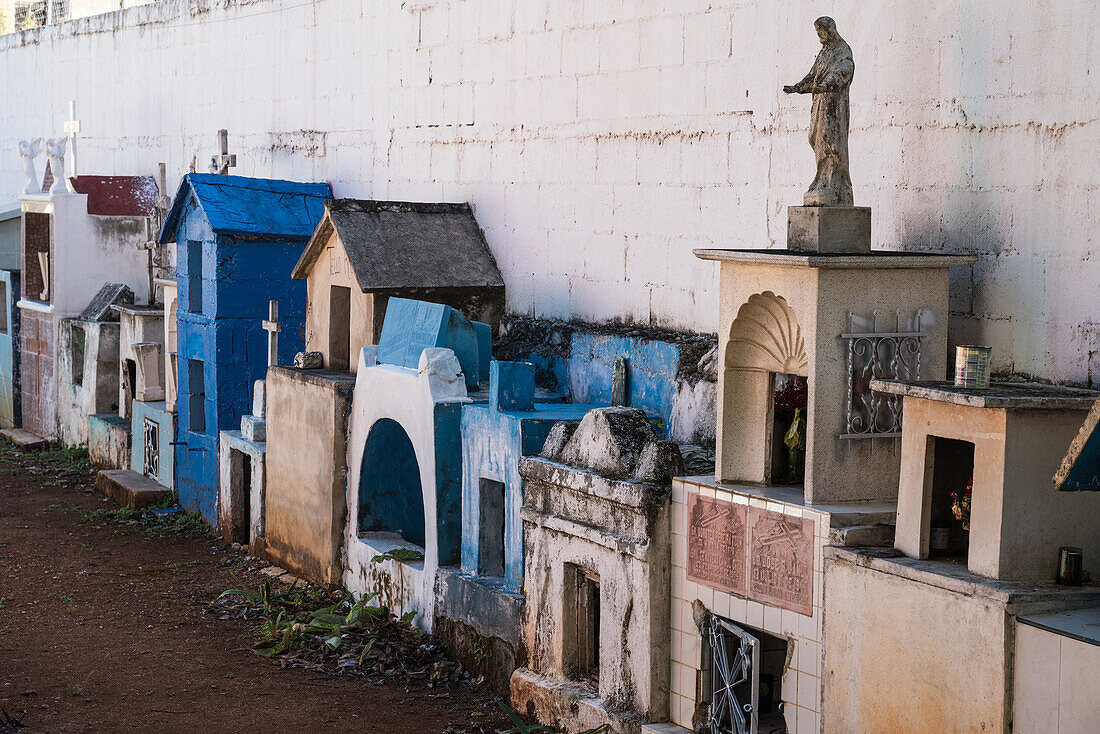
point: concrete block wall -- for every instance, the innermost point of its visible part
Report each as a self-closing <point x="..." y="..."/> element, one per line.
<point x="599" y="142"/>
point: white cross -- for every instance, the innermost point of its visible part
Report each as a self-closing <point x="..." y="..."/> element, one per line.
<point x="152" y="229"/>
<point x="72" y="127"/>
<point x="222" y="162"/>
<point x="272" y="327"/>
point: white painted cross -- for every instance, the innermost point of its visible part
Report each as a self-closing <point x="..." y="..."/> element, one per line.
<point x="272" y="327"/>
<point x="222" y="162"/>
<point x="72" y="127"/>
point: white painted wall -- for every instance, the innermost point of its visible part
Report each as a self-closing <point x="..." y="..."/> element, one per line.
<point x="601" y="140"/>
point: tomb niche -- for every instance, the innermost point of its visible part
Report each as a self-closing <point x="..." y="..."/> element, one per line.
<point x="404" y="459"/>
<point x="805" y="447"/>
<point x="361" y="255"/>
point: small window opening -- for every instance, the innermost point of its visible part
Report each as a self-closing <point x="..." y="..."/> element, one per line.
<point x="129" y="385"/>
<point x="339" y="327"/>
<point x="583" y="623"/>
<point x="3" y="307"/>
<point x="490" y="556"/>
<point x="240" y="487"/>
<point x="952" y="464"/>
<point x="194" y="276"/>
<point x="78" y="341"/>
<point x="151" y="449"/>
<point x="745" y="667"/>
<point x="789" y="423"/>
<point x="196" y="400"/>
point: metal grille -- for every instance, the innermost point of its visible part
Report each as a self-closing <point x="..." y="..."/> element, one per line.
<point x="151" y="442"/>
<point x="890" y="355"/>
<point x="735" y="663"/>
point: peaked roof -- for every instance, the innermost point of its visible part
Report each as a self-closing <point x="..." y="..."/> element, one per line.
<point x="398" y="245"/>
<point x="250" y="207"/>
<point x="118" y="196"/>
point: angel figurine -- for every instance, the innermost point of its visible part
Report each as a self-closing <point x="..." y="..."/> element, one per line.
<point x="29" y="151"/>
<point x="55" y="153"/>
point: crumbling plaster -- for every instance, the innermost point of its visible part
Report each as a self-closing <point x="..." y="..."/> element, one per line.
<point x="600" y="142"/>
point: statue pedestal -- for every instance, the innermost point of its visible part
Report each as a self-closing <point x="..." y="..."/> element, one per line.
<point x="825" y="229"/>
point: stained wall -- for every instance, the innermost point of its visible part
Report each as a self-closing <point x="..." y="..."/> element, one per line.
<point x="599" y="142"/>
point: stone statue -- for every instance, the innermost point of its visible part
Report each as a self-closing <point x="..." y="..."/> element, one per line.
<point x="828" y="82"/>
<point x="29" y="151"/>
<point x="55" y="154"/>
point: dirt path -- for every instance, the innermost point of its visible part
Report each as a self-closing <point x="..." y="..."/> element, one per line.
<point x="102" y="629"/>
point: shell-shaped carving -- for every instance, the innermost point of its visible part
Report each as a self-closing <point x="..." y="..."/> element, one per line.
<point x="766" y="336"/>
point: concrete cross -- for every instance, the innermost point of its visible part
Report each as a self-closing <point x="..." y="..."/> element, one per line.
<point x="272" y="327"/>
<point x="152" y="229"/>
<point x="72" y="127"/>
<point x="222" y="162"/>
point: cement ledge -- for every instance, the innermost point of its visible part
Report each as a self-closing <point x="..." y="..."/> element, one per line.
<point x="1020" y="597"/>
<point x="630" y="546"/>
<point x="625" y="492"/>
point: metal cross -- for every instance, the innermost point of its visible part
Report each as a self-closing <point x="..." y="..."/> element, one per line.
<point x="72" y="127"/>
<point x="272" y="327"/>
<point x="222" y="162"/>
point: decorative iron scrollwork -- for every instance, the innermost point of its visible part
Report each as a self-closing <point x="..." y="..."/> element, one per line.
<point x="875" y="355"/>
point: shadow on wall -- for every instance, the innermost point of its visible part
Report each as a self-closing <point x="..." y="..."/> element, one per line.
<point x="390" y="494"/>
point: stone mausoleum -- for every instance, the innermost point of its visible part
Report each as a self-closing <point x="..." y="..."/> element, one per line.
<point x="965" y="610"/>
<point x="362" y="254"/>
<point x="72" y="244"/>
<point x="404" y="488"/>
<point x="237" y="240"/>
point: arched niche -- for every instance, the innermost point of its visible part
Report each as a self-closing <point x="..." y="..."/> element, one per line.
<point x="765" y="340"/>
<point x="391" y="498"/>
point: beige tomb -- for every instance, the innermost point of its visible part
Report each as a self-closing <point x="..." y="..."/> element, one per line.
<point x="1019" y="434"/>
<point x="783" y="312"/>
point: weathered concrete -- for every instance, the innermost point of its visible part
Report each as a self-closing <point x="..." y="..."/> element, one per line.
<point x="130" y="489"/>
<point x="241" y="489"/>
<point x="404" y="478"/>
<point x="618" y="530"/>
<point x="87" y="376"/>
<point x="1017" y="521"/>
<point x="598" y="144"/>
<point x="25" y="440"/>
<point x="109" y="441"/>
<point x="923" y="646"/>
<point x="782" y="313"/>
<point x="305" y="508"/>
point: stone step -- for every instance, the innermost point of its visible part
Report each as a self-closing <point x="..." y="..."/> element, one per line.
<point x="130" y="489"/>
<point x="863" y="536"/>
<point x="24" y="440"/>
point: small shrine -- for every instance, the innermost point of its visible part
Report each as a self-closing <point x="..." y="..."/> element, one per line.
<point x="596" y="535"/>
<point x="987" y="553"/>
<point x="237" y="240"/>
<point x="362" y="254"/>
<point x="87" y="378"/>
<point x="404" y="486"/>
<point x="806" y="449"/>
<point x="75" y="238"/>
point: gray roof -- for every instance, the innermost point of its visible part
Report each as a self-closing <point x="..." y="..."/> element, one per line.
<point x="395" y="245"/>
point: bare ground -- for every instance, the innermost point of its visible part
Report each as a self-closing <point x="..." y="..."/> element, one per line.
<point x="106" y="628"/>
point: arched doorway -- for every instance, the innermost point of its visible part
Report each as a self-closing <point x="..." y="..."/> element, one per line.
<point x="391" y="498"/>
<point x="765" y="344"/>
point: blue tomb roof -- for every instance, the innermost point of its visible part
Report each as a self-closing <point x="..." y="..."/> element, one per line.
<point x="240" y="206"/>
